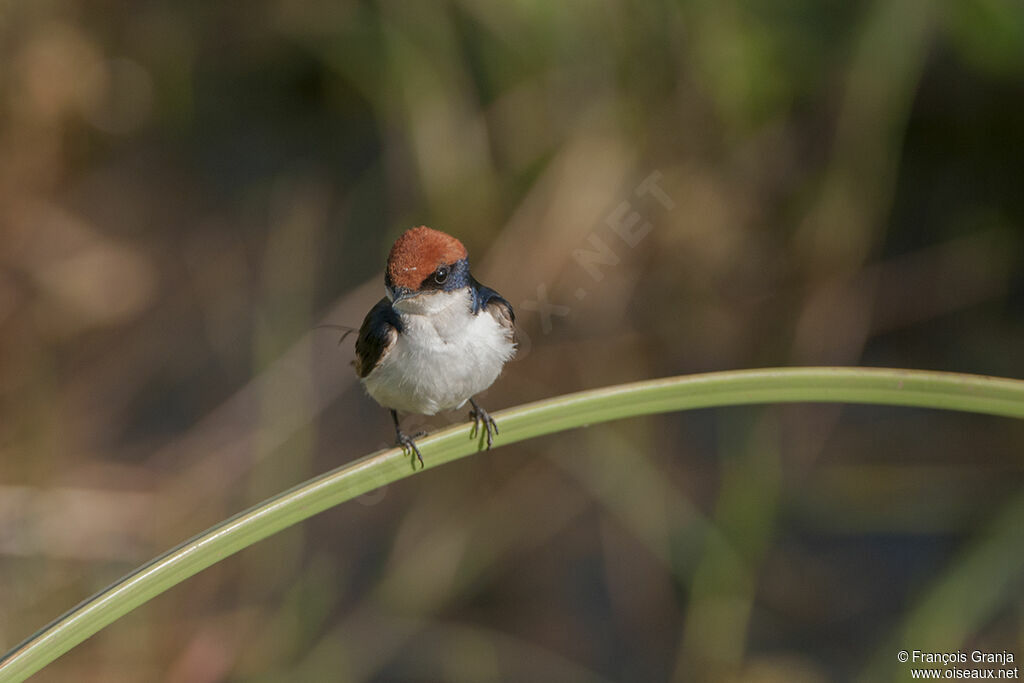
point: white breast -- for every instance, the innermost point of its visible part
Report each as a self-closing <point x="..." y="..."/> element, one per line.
<point x="444" y="356"/>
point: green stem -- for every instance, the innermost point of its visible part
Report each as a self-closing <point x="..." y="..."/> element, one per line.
<point x="972" y="393"/>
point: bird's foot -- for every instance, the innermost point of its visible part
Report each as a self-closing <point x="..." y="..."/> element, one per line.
<point x="480" y="416"/>
<point x="408" y="444"/>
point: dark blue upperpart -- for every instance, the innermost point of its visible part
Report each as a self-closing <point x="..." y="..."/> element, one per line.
<point x="375" y="335"/>
<point x="458" y="276"/>
<point x="483" y="295"/>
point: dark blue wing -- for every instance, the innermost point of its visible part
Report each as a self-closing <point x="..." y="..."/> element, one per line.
<point x="377" y="335"/>
<point x="484" y="297"/>
<point x="487" y="300"/>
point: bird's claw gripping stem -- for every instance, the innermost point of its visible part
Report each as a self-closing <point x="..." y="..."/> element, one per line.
<point x="408" y="444"/>
<point x="481" y="416"/>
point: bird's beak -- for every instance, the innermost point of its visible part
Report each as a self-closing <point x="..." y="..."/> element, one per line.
<point x="397" y="294"/>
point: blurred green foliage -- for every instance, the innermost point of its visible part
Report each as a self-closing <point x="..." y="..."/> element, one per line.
<point x="187" y="190"/>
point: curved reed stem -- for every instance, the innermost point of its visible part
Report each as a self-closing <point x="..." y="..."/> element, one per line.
<point x="972" y="393"/>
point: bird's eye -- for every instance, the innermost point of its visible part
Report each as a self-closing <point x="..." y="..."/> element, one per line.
<point x="441" y="274"/>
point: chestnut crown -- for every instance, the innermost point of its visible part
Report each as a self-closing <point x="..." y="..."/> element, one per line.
<point x="420" y="252"/>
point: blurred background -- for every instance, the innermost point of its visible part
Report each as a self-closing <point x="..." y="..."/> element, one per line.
<point x="187" y="191"/>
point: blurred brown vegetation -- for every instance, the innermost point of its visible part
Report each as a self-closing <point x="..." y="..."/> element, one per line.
<point x="188" y="190"/>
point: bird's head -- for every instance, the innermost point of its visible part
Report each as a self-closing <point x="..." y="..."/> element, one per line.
<point x="424" y="265"/>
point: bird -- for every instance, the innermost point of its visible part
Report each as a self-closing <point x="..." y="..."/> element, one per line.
<point x="437" y="338"/>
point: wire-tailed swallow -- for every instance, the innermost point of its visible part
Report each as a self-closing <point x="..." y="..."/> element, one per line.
<point x="438" y="338"/>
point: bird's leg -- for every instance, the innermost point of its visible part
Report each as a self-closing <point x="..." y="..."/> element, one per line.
<point x="407" y="442"/>
<point x="479" y="415"/>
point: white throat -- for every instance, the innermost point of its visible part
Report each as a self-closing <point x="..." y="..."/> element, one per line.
<point x="432" y="302"/>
